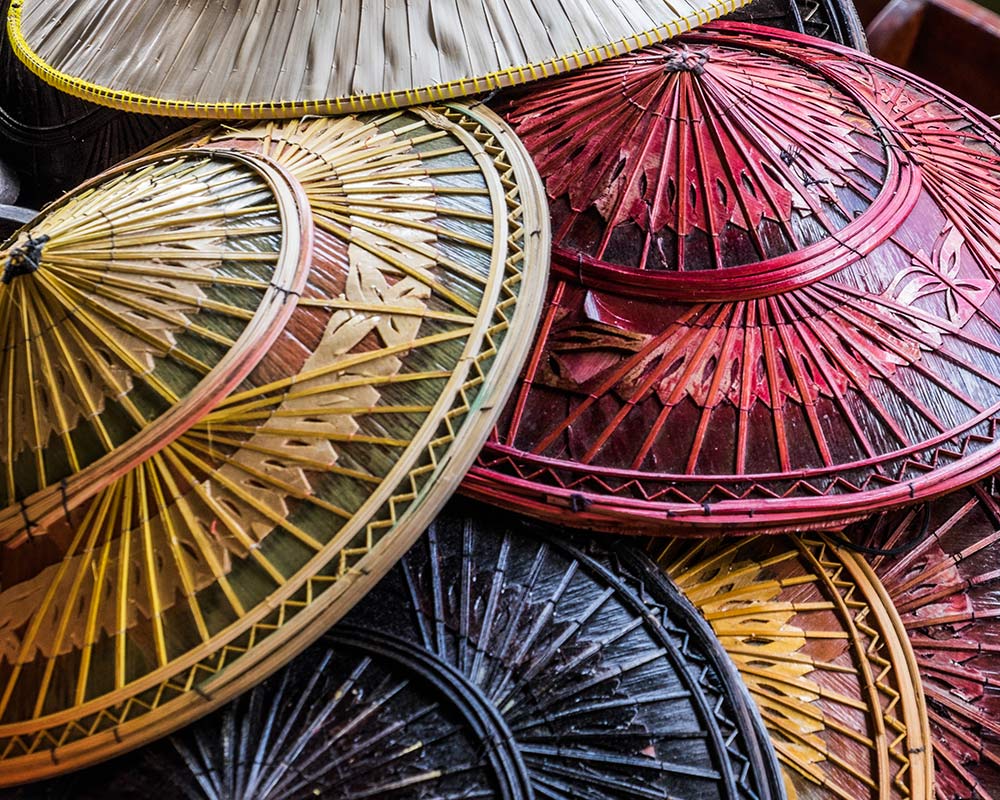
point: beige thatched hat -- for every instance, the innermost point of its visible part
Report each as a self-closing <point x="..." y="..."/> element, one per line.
<point x="265" y="58"/>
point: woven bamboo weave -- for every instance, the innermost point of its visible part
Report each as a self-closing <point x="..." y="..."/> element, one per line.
<point x="238" y="543"/>
<point x="351" y="718"/>
<point x="266" y="59"/>
<point x="493" y="662"/>
<point x="606" y="680"/>
<point x="825" y="656"/>
<point x="943" y="575"/>
<point x="776" y="301"/>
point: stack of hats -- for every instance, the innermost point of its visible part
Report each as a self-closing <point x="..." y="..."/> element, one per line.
<point x="707" y="330"/>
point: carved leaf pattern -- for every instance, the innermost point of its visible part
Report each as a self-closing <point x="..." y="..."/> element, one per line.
<point x="633" y="374"/>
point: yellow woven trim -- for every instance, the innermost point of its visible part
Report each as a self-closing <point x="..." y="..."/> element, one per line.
<point x="355" y="103"/>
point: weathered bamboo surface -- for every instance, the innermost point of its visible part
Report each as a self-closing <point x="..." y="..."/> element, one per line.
<point x="265" y="58"/>
<point x="606" y="681"/>
<point x="497" y="660"/>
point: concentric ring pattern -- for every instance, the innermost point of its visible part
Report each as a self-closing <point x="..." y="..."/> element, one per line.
<point x="604" y="680"/>
<point x="216" y="559"/>
<point x="777" y="302"/>
<point x="495" y="661"/>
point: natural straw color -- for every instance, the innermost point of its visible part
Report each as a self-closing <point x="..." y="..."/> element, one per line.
<point x="153" y="291"/>
<point x="825" y="655"/>
<point x="265" y="58"/>
<point x="215" y="560"/>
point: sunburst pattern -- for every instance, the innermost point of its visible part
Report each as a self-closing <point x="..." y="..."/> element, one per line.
<point x="124" y="300"/>
<point x="943" y="575"/>
<point x="690" y="157"/>
<point x="306" y="483"/>
<point x="824" y="655"/>
<point x="809" y="388"/>
<point x="351" y="718"/>
<point x="607" y="683"/>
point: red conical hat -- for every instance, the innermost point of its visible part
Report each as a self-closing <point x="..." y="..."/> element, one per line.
<point x="776" y="302"/>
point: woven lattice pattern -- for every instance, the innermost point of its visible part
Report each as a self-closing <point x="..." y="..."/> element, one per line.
<point x="606" y="681"/>
<point x="823" y="654"/>
<point x="344" y="720"/>
<point x="494" y="662"/>
<point x="271" y="514"/>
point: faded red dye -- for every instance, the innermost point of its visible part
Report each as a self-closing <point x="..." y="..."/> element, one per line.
<point x="946" y="588"/>
<point x="775" y="292"/>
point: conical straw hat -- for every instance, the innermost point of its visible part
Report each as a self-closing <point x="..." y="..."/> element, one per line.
<point x="266" y="58"/>
<point x="776" y="301"/>
<point x="495" y="661"/>
<point x="131" y="308"/>
<point x="940" y="565"/>
<point x="824" y="654"/>
<point x="205" y="567"/>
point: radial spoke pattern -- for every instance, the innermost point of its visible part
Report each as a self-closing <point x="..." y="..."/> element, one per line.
<point x="943" y="575"/>
<point x="118" y="303"/>
<point x="686" y="158"/>
<point x="806" y="382"/>
<point x="491" y="663"/>
<point x="608" y="683"/>
<point x="339" y="722"/>
<point x="310" y="478"/>
<point x="823" y="655"/>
